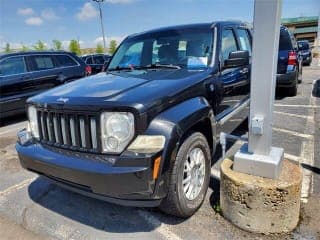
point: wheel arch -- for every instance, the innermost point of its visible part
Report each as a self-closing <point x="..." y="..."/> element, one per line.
<point x="175" y="124"/>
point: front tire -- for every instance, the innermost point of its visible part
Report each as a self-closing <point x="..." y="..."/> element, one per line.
<point x="189" y="177"/>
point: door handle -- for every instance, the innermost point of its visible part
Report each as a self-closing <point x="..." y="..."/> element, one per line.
<point x="244" y="70"/>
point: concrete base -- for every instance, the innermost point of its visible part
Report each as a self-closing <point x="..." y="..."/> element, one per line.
<point x="258" y="204"/>
<point x="259" y="165"/>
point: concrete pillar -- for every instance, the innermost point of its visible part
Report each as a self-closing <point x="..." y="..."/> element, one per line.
<point x="258" y="204"/>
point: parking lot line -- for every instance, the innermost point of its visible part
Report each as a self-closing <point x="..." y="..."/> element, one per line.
<point x="12" y="128"/>
<point x="215" y="173"/>
<point x="297" y="106"/>
<point x="292" y="157"/>
<point x="302" y="135"/>
<point x="307" y="156"/>
<point x="293" y="115"/>
<point x="17" y="186"/>
<point x="8" y="131"/>
<point x="159" y="226"/>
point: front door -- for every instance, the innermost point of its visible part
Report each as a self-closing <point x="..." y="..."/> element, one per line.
<point x="235" y="81"/>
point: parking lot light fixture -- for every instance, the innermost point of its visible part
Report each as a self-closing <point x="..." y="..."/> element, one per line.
<point x="101" y="22"/>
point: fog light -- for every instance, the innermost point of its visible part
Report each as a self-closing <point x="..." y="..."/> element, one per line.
<point x="147" y="144"/>
<point x="24" y="136"/>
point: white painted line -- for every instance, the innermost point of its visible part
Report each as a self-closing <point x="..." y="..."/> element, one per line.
<point x="307" y="154"/>
<point x="13" y="128"/>
<point x="297" y="106"/>
<point x="160" y="227"/>
<point x="17" y="187"/>
<point x="292" y="157"/>
<point x="293" y="115"/>
<point x="8" y="131"/>
<point x="19" y="124"/>
<point x="215" y="173"/>
<point x="302" y="135"/>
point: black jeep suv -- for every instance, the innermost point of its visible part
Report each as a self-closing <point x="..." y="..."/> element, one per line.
<point x="24" y="74"/>
<point x="144" y="132"/>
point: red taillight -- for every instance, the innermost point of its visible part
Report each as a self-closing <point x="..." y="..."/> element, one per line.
<point x="88" y="70"/>
<point x="292" y="58"/>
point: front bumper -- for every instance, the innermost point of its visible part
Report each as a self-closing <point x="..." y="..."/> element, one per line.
<point x="125" y="180"/>
<point x="288" y="79"/>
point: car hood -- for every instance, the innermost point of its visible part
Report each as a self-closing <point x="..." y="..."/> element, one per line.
<point x="136" y="89"/>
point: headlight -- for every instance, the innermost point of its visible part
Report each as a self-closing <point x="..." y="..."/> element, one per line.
<point x="117" y="130"/>
<point x="33" y="121"/>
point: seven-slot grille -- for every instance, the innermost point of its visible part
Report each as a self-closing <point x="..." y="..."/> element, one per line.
<point x="69" y="130"/>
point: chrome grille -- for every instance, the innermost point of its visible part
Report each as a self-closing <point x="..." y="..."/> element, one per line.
<point x="69" y="130"/>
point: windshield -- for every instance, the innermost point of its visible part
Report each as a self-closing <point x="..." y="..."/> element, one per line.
<point x="186" y="49"/>
<point x="303" y="46"/>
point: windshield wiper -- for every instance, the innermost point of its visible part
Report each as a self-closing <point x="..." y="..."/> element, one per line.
<point x="119" y="69"/>
<point x="156" y="65"/>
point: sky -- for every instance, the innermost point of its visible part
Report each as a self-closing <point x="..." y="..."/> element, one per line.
<point x="27" y="21"/>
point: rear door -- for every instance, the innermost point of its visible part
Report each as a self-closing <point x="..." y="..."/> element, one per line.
<point x="44" y="72"/>
<point x="68" y="68"/>
<point x="15" y="83"/>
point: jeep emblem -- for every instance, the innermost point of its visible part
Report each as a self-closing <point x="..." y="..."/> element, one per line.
<point x="64" y="100"/>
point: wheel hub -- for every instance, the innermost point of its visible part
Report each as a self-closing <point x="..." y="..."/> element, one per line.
<point x="194" y="173"/>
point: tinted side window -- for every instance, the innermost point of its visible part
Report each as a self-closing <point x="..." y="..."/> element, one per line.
<point x="244" y="40"/>
<point x="228" y="43"/>
<point x="65" y="61"/>
<point x="89" y="60"/>
<point x="42" y="62"/>
<point x="285" y="40"/>
<point x="303" y="45"/>
<point x="98" y="59"/>
<point x="12" y="65"/>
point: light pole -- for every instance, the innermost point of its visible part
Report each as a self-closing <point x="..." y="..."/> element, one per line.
<point x="259" y="158"/>
<point x="101" y="22"/>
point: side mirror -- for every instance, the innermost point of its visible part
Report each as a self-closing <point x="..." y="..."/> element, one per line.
<point x="237" y="59"/>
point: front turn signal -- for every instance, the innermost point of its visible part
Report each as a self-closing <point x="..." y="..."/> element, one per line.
<point x="156" y="167"/>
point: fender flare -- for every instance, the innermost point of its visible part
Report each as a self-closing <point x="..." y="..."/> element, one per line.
<point x="174" y="123"/>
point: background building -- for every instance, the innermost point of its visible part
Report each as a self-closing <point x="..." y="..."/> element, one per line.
<point x="303" y="28"/>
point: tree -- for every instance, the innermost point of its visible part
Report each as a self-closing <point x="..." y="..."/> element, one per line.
<point x="99" y="48"/>
<point x="40" y="46"/>
<point x="57" y="45"/>
<point x="7" y="48"/>
<point x="74" y="47"/>
<point x="112" y="46"/>
<point x="24" y="48"/>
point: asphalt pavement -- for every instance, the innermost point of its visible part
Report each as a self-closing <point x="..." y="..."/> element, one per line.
<point x="32" y="204"/>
